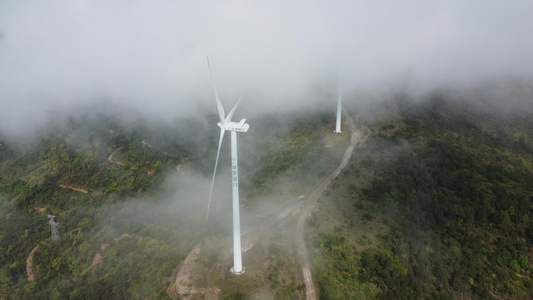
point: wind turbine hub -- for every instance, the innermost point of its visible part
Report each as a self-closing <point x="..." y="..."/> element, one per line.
<point x="235" y="126"/>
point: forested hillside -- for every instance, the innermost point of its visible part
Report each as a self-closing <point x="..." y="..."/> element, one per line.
<point x="436" y="205"/>
<point x="85" y="173"/>
<point x="130" y="198"/>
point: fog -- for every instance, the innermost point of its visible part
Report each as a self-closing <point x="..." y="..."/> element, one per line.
<point x="150" y="56"/>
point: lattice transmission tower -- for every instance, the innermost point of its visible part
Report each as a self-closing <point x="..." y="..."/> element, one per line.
<point x="53" y="228"/>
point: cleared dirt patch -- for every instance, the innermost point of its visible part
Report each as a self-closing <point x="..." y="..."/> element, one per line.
<point x="39" y="209"/>
<point x="183" y="286"/>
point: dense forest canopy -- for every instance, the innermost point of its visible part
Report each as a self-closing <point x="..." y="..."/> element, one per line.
<point x="444" y="190"/>
<point x="436" y="204"/>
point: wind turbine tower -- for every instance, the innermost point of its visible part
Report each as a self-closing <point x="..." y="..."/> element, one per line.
<point x="53" y="228"/>
<point x="339" y="108"/>
<point x="226" y="124"/>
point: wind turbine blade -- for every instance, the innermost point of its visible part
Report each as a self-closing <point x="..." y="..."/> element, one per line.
<point x="214" y="173"/>
<point x="220" y="108"/>
<point x="230" y="115"/>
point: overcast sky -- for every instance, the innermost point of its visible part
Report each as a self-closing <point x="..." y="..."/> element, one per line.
<point x="151" y="54"/>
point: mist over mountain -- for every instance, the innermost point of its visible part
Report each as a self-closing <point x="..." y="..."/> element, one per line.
<point x="151" y="56"/>
<point x="108" y="121"/>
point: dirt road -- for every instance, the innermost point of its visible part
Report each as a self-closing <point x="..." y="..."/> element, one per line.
<point x="65" y="186"/>
<point x="29" y="264"/>
<point x="355" y="140"/>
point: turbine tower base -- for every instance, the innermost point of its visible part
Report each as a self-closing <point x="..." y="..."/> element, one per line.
<point x="236" y="273"/>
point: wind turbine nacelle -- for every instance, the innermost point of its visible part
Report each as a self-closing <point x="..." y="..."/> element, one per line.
<point x="234" y="126"/>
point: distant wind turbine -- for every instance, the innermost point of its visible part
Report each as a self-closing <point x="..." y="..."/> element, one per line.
<point x="339" y="108"/>
<point x="225" y="124"/>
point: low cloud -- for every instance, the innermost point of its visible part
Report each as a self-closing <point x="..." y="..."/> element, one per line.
<point x="150" y="56"/>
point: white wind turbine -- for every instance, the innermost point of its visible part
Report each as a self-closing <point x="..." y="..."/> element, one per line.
<point x="339" y="107"/>
<point x="234" y="127"/>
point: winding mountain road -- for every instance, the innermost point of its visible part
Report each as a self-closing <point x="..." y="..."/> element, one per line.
<point x="355" y="140"/>
<point x="182" y="285"/>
